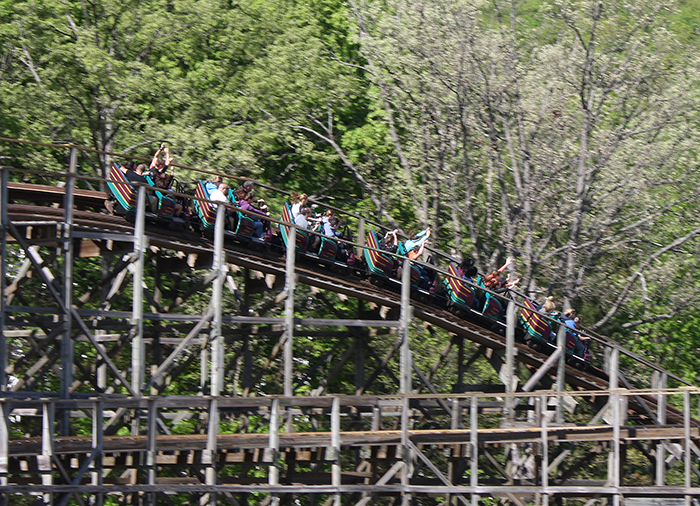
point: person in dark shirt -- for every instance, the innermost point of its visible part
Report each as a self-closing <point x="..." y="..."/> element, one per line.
<point x="389" y="242"/>
<point x="136" y="176"/>
<point x="159" y="168"/>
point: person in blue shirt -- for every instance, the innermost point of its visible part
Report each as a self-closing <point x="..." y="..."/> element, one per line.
<point x="416" y="240"/>
<point x="574" y="322"/>
<point x="213" y="184"/>
<point x="568" y="317"/>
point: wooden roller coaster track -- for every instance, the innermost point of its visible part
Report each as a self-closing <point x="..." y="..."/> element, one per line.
<point x="547" y="431"/>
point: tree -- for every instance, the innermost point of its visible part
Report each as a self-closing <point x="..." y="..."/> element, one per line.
<point x="565" y="137"/>
<point x="86" y="72"/>
<point x="238" y="88"/>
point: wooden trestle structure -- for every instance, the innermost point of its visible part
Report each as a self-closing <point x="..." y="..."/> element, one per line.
<point x="88" y="417"/>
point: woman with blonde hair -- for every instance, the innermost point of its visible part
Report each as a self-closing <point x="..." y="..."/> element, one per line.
<point x="298" y="201"/>
<point x="549" y="305"/>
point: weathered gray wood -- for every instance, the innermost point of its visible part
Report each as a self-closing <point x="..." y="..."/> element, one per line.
<point x="155" y="379"/>
<point x="561" y="370"/>
<point x="4" y="220"/>
<point x="290" y="286"/>
<point x="544" y="479"/>
<point x="97" y="442"/>
<point x="44" y="460"/>
<point x="401" y="405"/>
<point x="151" y="445"/>
<point x="217" y="355"/>
<point x="335" y="445"/>
<point x="615" y="461"/>
<point x="510" y="356"/>
<point x="474" y="448"/>
<point x="537" y="376"/>
<point x="273" y="472"/>
<point x="67" y="352"/>
<point x="361" y="232"/>
<point x="406" y="452"/>
<point x="659" y="381"/>
<point x="49" y="279"/>
<point x="138" y="350"/>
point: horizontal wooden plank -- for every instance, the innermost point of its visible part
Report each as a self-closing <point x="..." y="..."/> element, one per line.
<point x="112" y="444"/>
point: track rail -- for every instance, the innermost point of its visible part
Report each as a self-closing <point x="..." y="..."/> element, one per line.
<point x="271" y="260"/>
<point x="438" y="434"/>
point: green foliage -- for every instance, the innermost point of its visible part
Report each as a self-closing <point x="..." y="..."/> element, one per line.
<point x="686" y="21"/>
<point x="508" y="131"/>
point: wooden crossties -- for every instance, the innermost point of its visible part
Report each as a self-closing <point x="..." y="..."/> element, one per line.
<point x="348" y="425"/>
<point x="89" y="408"/>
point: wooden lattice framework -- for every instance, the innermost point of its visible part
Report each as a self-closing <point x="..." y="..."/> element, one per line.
<point x="261" y="443"/>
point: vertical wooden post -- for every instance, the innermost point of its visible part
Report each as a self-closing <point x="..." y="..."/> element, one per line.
<point x="335" y="444"/>
<point x="290" y="286"/>
<point x="217" y="347"/>
<point x="659" y="381"/>
<point x="361" y="234"/>
<point x="68" y="253"/>
<point x="137" y="346"/>
<point x="96" y="476"/>
<point x="474" y="446"/>
<point x="217" y="355"/>
<point x="544" y="405"/>
<point x="203" y="369"/>
<point x="510" y="359"/>
<point x="101" y="372"/>
<point x="273" y="475"/>
<point x="138" y="349"/>
<point x="406" y="453"/>
<point x="615" y="399"/>
<point x="452" y="468"/>
<point x="561" y="371"/>
<point x="151" y="447"/>
<point x="613" y="369"/>
<point x="455" y="418"/>
<point x="3" y="268"/>
<point x="46" y="457"/>
<point x="405" y="378"/>
<point x="247" y="354"/>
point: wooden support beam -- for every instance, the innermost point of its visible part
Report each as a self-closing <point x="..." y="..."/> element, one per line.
<point x="382" y="365"/>
<point x="97" y="469"/>
<point x="4" y="221"/>
<point x="290" y="286"/>
<point x="273" y="448"/>
<point x="48" y="279"/>
<point x="67" y="345"/>
<point x="138" y="350"/>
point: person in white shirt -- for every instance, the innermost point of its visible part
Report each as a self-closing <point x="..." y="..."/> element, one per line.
<point x="302" y="220"/>
<point x="298" y="202"/>
<point x="221" y="195"/>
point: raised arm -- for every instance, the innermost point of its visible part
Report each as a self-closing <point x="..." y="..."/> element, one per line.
<point x="155" y="157"/>
<point x="168" y="158"/>
<point x="509" y="261"/>
<point x="510" y="282"/>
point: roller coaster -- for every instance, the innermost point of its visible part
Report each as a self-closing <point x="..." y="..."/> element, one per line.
<point x="89" y="416"/>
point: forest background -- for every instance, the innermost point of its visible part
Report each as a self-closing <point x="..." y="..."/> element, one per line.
<point x="561" y="132"/>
